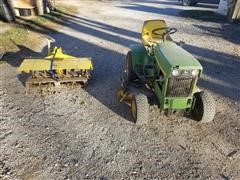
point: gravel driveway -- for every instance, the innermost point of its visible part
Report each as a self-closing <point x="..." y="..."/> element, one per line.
<point x="88" y="134"/>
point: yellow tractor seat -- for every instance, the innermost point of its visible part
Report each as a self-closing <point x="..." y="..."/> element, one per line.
<point x="148" y="38"/>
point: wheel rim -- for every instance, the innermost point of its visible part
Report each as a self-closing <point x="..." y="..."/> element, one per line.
<point x="134" y="109"/>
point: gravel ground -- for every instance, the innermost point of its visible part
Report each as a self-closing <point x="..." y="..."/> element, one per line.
<point x="88" y="134"/>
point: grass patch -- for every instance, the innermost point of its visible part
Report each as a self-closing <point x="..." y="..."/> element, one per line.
<point x="9" y="38"/>
<point x="54" y="14"/>
<point x="202" y="15"/>
<point x="23" y="32"/>
<point x="67" y="9"/>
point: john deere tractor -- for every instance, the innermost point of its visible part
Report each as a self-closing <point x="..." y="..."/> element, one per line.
<point x="163" y="67"/>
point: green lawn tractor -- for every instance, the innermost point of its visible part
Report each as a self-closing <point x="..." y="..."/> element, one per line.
<point x="168" y="72"/>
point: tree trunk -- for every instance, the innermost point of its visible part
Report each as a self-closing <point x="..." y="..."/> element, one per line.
<point x="234" y="10"/>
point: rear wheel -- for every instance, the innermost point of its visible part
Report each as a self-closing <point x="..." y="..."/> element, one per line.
<point x="131" y="75"/>
<point x="140" y="109"/>
<point x="204" y="107"/>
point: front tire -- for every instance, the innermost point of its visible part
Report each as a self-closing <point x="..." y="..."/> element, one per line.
<point x="140" y="109"/>
<point x="204" y="108"/>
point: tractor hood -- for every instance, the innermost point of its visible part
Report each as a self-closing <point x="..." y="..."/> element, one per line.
<point x="170" y="56"/>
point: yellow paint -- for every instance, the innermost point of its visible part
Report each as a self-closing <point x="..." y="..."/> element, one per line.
<point x="150" y="39"/>
<point x="59" y="72"/>
<point x="134" y="109"/>
<point x="61" y="62"/>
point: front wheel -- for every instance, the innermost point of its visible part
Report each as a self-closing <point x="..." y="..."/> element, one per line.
<point x="204" y="107"/>
<point x="140" y="109"/>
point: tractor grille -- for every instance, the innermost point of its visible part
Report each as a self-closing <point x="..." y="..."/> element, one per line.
<point x="180" y="86"/>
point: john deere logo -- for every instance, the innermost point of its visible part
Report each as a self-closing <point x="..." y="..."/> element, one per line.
<point x="185" y="72"/>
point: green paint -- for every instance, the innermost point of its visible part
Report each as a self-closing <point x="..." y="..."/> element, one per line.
<point x="169" y="56"/>
<point x="166" y="57"/>
<point x="140" y="55"/>
<point x="179" y="103"/>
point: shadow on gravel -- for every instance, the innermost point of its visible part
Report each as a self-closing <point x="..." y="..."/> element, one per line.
<point x="152" y="9"/>
<point x="108" y="64"/>
<point x="172" y="2"/>
<point x="97" y="24"/>
<point x="203" y="15"/>
<point x="220" y="67"/>
<point x="207" y="14"/>
<point x="227" y="31"/>
<point x="16" y="58"/>
<point x="206" y="5"/>
<point x="175" y="2"/>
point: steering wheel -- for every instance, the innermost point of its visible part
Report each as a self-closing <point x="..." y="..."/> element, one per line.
<point x="168" y="31"/>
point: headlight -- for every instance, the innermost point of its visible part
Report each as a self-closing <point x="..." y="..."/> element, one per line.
<point x="195" y="72"/>
<point x="175" y="72"/>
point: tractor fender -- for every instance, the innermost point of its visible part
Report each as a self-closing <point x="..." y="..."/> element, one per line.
<point x="139" y="55"/>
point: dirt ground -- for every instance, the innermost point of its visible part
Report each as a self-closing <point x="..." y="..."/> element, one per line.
<point x="88" y="134"/>
<point x="5" y="26"/>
